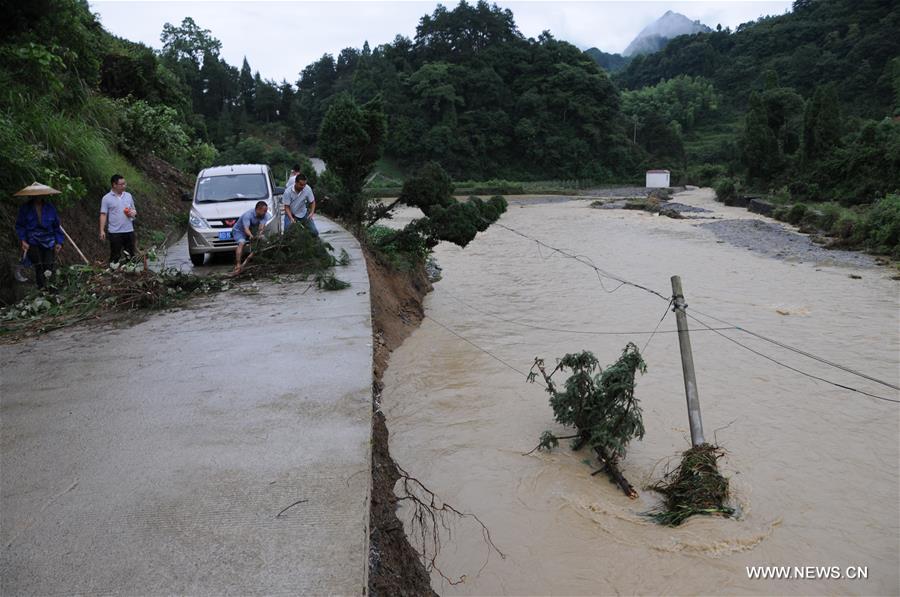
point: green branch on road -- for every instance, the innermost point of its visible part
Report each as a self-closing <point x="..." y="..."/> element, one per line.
<point x="81" y="292"/>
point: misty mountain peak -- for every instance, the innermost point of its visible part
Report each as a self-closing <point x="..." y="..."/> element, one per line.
<point x="654" y="36"/>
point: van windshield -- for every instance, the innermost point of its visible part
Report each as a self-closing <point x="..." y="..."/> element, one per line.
<point x="232" y="187"/>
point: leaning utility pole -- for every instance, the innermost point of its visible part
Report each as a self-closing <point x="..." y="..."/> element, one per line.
<point x="687" y="364"/>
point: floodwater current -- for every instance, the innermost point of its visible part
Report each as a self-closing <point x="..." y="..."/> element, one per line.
<point x="814" y="469"/>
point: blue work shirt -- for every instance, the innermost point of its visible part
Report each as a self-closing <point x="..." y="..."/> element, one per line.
<point x="248" y="219"/>
<point x="45" y="232"/>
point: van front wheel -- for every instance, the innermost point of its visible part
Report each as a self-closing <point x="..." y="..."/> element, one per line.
<point x="198" y="258"/>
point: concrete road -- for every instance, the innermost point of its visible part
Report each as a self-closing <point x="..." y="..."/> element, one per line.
<point x="155" y="458"/>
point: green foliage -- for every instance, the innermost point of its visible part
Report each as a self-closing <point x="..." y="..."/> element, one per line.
<point x="188" y="42"/>
<point x="882" y="226"/>
<point x="473" y="93"/>
<point x="447" y="219"/>
<point x="39" y="61"/>
<point x="865" y="166"/>
<point x="705" y="175"/>
<point x="82" y="292"/>
<point x="328" y="282"/>
<point x="351" y="142"/>
<point x="611" y="63"/>
<point x="297" y="250"/>
<point x="761" y="155"/>
<point x="821" y="125"/>
<point x="683" y="99"/>
<point x="796" y="213"/>
<point x="404" y="251"/>
<point x="430" y="187"/>
<point x="847" y="42"/>
<point x="145" y="128"/>
<point x="71" y="189"/>
<point x="726" y="189"/>
<point x="600" y="405"/>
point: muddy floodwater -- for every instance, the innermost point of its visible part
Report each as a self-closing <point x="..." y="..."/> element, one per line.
<point x="813" y="467"/>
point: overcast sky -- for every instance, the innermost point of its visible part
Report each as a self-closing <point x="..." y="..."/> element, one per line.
<point x="280" y="38"/>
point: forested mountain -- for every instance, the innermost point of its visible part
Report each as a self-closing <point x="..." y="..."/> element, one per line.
<point x="472" y="92"/>
<point x="611" y="63"/>
<point x="803" y="99"/>
<point x="657" y="34"/>
<point x="849" y="43"/>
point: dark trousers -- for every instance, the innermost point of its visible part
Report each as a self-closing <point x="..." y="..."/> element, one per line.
<point x="119" y="241"/>
<point x="43" y="259"/>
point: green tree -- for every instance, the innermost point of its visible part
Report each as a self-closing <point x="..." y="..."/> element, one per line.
<point x="761" y="153"/>
<point x="189" y="42"/>
<point x="446" y="219"/>
<point x="821" y="125"/>
<point x="247" y="87"/>
<point x="351" y="140"/>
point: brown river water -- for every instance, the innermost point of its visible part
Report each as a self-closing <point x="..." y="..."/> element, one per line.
<point x="814" y="469"/>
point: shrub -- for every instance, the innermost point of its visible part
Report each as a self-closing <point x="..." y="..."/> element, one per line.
<point x="404" y="252"/>
<point x="705" y="175"/>
<point x="202" y="155"/>
<point x="882" y="226"/>
<point x="847" y="228"/>
<point x="802" y="191"/>
<point x="152" y="129"/>
<point x="831" y="213"/>
<point x="796" y="213"/>
<point x="726" y="188"/>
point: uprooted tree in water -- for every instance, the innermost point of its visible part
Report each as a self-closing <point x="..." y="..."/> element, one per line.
<point x="599" y="404"/>
<point x="603" y="409"/>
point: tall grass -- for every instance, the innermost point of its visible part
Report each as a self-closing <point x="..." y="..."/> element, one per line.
<point x="73" y="144"/>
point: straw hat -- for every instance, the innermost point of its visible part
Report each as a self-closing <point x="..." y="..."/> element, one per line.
<point x="36" y="189"/>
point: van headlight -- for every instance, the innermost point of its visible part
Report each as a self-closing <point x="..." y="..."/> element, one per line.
<point x="198" y="221"/>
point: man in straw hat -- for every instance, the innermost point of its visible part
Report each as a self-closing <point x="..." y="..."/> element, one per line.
<point x="39" y="231"/>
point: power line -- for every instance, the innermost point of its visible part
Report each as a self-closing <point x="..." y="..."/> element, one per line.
<point x="588" y="262"/>
<point x="485" y="351"/>
<point x="799" y="351"/>
<point x="569" y="331"/>
<point x="786" y="366"/>
<point x="581" y="260"/>
<point x="665" y="312"/>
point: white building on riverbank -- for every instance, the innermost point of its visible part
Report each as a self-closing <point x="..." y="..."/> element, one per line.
<point x="657" y="179"/>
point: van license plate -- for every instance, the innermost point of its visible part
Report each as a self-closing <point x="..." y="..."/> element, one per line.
<point x="225" y="235"/>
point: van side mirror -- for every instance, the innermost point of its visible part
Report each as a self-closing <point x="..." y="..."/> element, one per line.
<point x="185" y="196"/>
<point x="278" y="191"/>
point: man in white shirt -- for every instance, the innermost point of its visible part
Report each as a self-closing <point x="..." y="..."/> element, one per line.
<point x="117" y="214"/>
<point x="300" y="204"/>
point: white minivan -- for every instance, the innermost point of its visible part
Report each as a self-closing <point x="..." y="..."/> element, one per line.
<point x="221" y="195"/>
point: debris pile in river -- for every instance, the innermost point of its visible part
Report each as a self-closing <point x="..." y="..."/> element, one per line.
<point x="695" y="486"/>
<point x="600" y="404"/>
